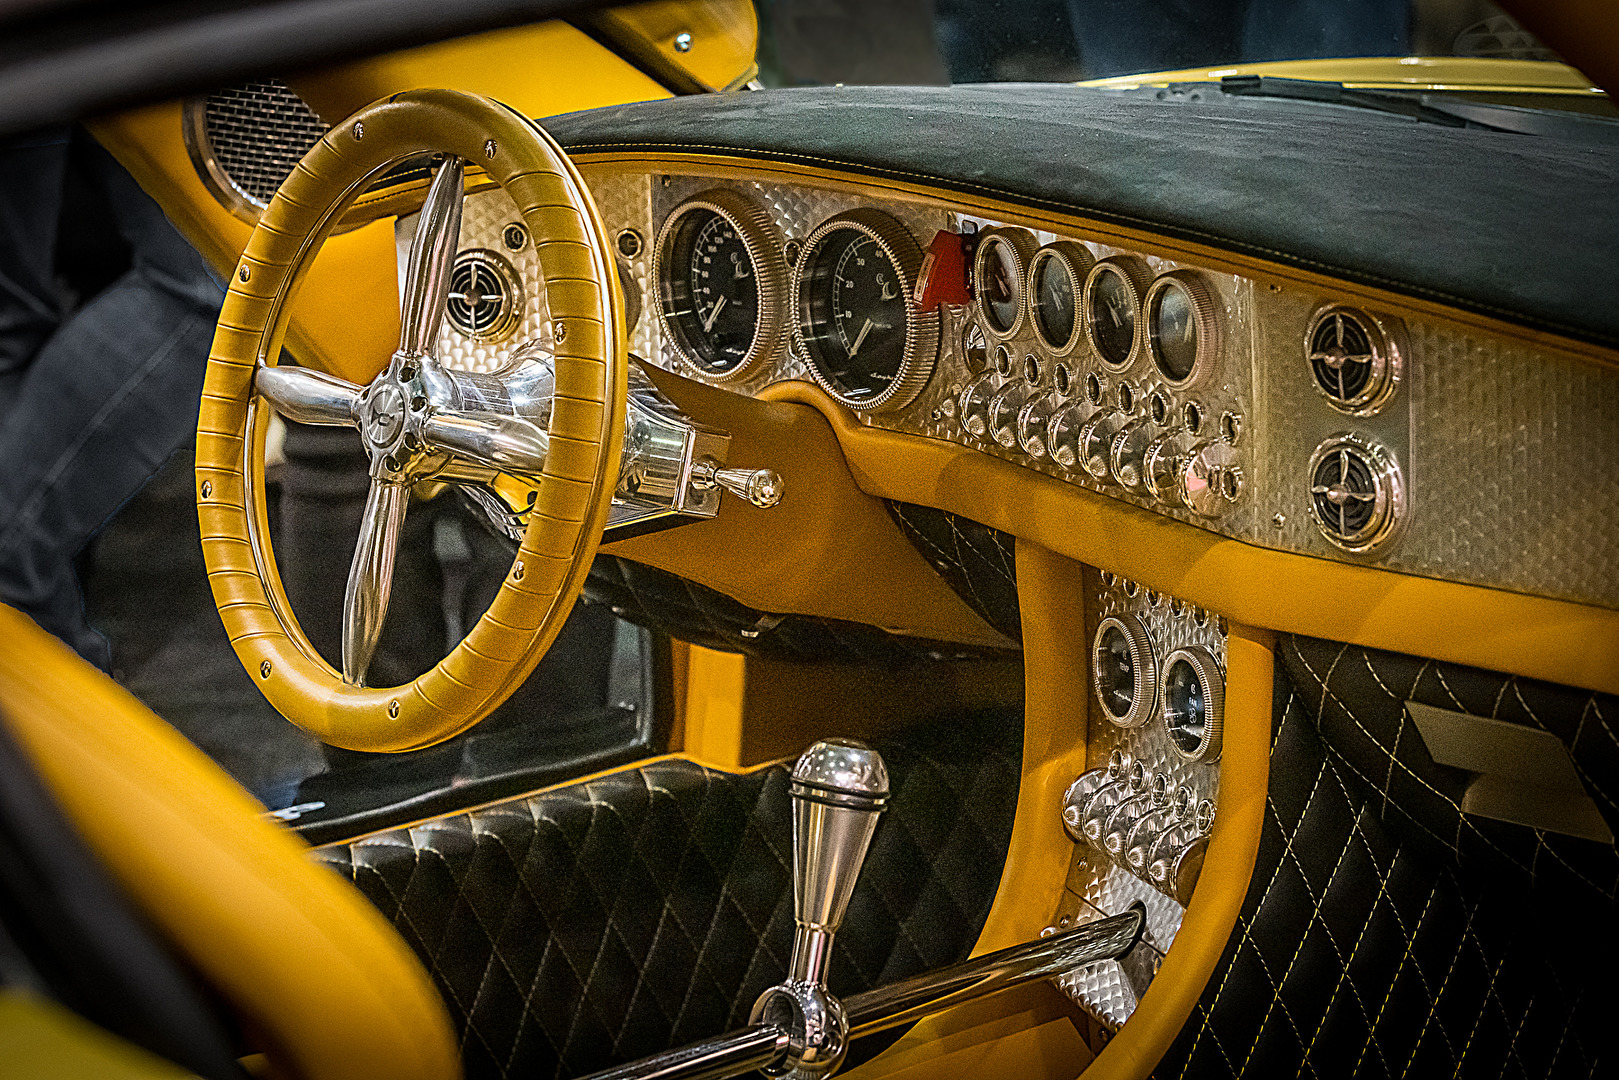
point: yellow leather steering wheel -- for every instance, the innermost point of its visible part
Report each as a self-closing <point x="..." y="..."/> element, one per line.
<point x="415" y="421"/>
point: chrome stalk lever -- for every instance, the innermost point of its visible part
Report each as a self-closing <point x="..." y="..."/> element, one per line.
<point x="839" y="788"/>
<point x="761" y="487"/>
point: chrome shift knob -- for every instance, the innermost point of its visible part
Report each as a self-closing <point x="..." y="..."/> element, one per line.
<point x="761" y="487"/>
<point x="839" y="788"/>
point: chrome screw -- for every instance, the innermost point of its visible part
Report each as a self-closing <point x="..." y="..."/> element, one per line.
<point x="517" y="572"/>
<point x="243" y="273"/>
<point x="393" y="710"/>
<point x="207" y="488"/>
<point x="264" y="670"/>
<point x="489" y="148"/>
<point x="359" y="131"/>
<point x="682" y="42"/>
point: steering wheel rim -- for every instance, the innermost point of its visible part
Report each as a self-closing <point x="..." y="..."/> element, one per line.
<point x="585" y="434"/>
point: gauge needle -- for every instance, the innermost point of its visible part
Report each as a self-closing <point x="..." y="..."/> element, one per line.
<point x="708" y="323"/>
<point x="860" y="337"/>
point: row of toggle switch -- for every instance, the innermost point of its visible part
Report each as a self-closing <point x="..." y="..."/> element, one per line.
<point x="1151" y="453"/>
<point x="1144" y="823"/>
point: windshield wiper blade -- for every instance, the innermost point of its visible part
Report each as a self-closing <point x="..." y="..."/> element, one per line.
<point x="1336" y="93"/>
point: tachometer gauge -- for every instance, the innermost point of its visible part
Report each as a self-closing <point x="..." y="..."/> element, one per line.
<point x="1055" y="279"/>
<point x="1182" y="332"/>
<point x="865" y="343"/>
<point x="1112" y="304"/>
<point x="721" y="284"/>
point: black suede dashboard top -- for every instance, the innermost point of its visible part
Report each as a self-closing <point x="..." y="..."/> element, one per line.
<point x="1520" y="227"/>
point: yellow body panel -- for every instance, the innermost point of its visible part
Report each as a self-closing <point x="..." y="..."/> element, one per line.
<point x="1465" y="73"/>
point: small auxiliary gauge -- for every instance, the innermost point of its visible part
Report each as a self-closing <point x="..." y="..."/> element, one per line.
<point x="999" y="267"/>
<point x="1183" y="329"/>
<point x="1124" y="667"/>
<point x="1056" y="278"/>
<point x="1111" y="308"/>
<point x="1192" y="690"/>
<point x="866" y="345"/>
<point x="722" y="284"/>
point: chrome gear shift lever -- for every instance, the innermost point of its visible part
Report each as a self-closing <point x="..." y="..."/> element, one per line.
<point x="839" y="788"/>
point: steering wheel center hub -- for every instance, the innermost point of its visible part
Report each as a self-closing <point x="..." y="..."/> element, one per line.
<point x="384" y="416"/>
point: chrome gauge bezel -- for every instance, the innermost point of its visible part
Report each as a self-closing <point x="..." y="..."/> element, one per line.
<point x="763" y="242"/>
<point x="1383" y="341"/>
<point x="1143" y="659"/>
<point x="1077" y="261"/>
<point x="922" y="328"/>
<point x="1205" y="306"/>
<point x="1135" y="275"/>
<point x="1208" y="672"/>
<point x="1022" y="245"/>
<point x="1389" y="503"/>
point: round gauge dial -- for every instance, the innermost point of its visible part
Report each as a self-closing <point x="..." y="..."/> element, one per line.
<point x="1054" y="287"/>
<point x="1125" y="670"/>
<point x="720" y="282"/>
<point x="1181" y="331"/>
<point x="999" y="268"/>
<point x="851" y="292"/>
<point x="1194" y="703"/>
<point x="1112" y="302"/>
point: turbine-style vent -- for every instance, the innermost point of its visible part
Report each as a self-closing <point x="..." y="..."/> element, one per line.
<point x="1357" y="496"/>
<point x="1356" y="367"/>
<point x="485" y="297"/>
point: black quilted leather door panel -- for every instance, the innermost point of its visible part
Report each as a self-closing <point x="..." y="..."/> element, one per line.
<point x="1387" y="934"/>
<point x="603" y="921"/>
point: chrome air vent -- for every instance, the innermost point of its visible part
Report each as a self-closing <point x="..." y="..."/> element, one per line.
<point x="245" y="139"/>
<point x="1357" y="495"/>
<point x="1355" y="363"/>
<point x="486" y="296"/>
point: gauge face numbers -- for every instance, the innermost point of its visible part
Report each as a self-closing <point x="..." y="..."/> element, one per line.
<point x="855" y="323"/>
<point x="1180" y="327"/>
<point x="1111" y="303"/>
<point x="720" y="283"/>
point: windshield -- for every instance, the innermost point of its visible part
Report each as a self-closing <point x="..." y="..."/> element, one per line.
<point x="910" y="42"/>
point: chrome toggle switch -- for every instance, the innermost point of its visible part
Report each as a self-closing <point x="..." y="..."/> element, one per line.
<point x="839" y="788"/>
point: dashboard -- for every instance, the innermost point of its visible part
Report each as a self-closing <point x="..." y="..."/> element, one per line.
<point x="1275" y="415"/>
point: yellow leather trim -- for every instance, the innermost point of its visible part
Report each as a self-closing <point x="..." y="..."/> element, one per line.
<point x="543" y="69"/>
<point x="573" y="497"/>
<point x="1056" y="711"/>
<point x="718" y="163"/>
<point x="827" y="548"/>
<point x="312" y="964"/>
<point x="724" y="34"/>
<point x="1233" y="846"/>
<point x="1573" y="644"/>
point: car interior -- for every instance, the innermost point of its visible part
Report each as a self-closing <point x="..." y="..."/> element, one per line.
<point x="727" y="536"/>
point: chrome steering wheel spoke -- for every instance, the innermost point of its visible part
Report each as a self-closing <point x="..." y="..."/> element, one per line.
<point x="432" y="255"/>
<point x="365" y="601"/>
<point x="307" y="396"/>
<point x="504" y="443"/>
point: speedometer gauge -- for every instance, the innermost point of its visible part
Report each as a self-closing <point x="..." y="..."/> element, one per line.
<point x="721" y="284"/>
<point x="865" y="343"/>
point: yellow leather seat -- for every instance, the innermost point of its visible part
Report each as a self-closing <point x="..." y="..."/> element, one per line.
<point x="318" y="976"/>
